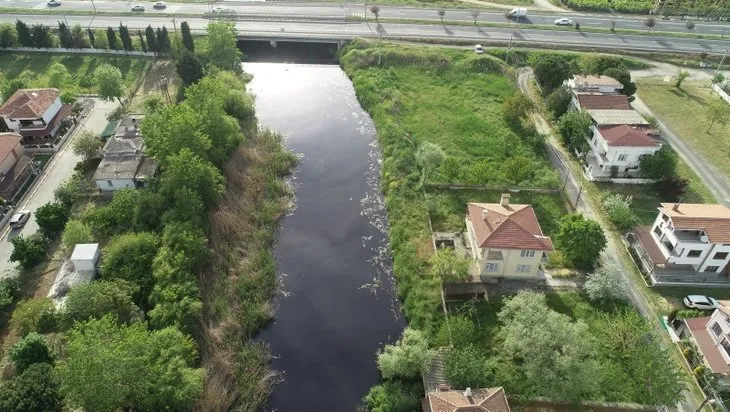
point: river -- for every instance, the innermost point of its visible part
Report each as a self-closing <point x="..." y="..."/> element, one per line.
<point x="336" y="304"/>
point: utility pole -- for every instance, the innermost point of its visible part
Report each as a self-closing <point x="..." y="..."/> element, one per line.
<point x="93" y="5"/>
<point x="509" y="46"/>
<point x="722" y="60"/>
<point x="174" y="25"/>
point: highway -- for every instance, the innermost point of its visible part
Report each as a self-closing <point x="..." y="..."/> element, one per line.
<point x="347" y="9"/>
<point x="334" y="31"/>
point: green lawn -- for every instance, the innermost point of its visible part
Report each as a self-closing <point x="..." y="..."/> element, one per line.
<point x="684" y="111"/>
<point x="81" y="68"/>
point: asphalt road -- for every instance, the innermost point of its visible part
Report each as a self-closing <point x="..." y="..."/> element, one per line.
<point x="258" y="9"/>
<point x="335" y="31"/>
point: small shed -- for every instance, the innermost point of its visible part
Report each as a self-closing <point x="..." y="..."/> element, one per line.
<point x="85" y="256"/>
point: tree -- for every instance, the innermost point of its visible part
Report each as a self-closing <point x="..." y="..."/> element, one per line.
<point x="408" y="358"/>
<point x="116" y="217"/>
<point x="650" y="23"/>
<point x="623" y="75"/>
<point x="64" y="35"/>
<point x="375" y="9"/>
<point x="79" y="36"/>
<point x="153" y="104"/>
<point x="516" y="108"/>
<point x="35" y="390"/>
<point x="73" y="189"/>
<point x="219" y="47"/>
<point x="9" y="291"/>
<point x="101" y="40"/>
<point x="475" y="15"/>
<point x="109" y="82"/>
<point x="34" y="315"/>
<point x="554" y="353"/>
<point x="24" y="36"/>
<point x="163" y="40"/>
<point x="8" y="35"/>
<point x="661" y="164"/>
<point x="606" y="284"/>
<point x="448" y="266"/>
<point x="393" y="396"/>
<point x="189" y="67"/>
<point x="173" y="128"/>
<point x="187" y="170"/>
<point x="717" y="111"/>
<point x="149" y="33"/>
<point x="28" y="251"/>
<point x="92" y="37"/>
<point x="618" y="208"/>
<point x="441" y="12"/>
<point x="76" y="232"/>
<point x="466" y="367"/>
<point x="87" y="145"/>
<point x="129" y="257"/>
<point x="58" y="76"/>
<point x="672" y="187"/>
<point x="126" y="39"/>
<point x="680" y="77"/>
<point x="187" y="37"/>
<point x="550" y="71"/>
<point x="111" y="38"/>
<point x="31" y="349"/>
<point x="98" y="299"/>
<point x="558" y="101"/>
<point x="13" y="85"/>
<point x="428" y="157"/>
<point x="42" y="36"/>
<point x="141" y="41"/>
<point x="451" y="168"/>
<point x="580" y="240"/>
<point x="52" y="218"/>
<point x="112" y="367"/>
<point x="574" y="128"/>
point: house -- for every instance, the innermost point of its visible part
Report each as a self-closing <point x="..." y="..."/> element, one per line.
<point x="36" y="114"/>
<point x="687" y="244"/>
<point x="616" y="117"/>
<point x="711" y="335"/>
<point x="445" y="399"/>
<point x="598" y="101"/>
<point x="123" y="161"/>
<point x="15" y="166"/>
<point x="506" y="239"/>
<point x="590" y="83"/>
<point x="615" y="151"/>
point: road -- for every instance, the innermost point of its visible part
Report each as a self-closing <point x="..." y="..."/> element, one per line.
<point x="339" y="30"/>
<point x="258" y="9"/>
<point x="60" y="169"/>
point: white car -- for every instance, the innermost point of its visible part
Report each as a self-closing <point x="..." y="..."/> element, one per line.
<point x="159" y="5"/>
<point x="219" y="9"/>
<point x="138" y="7"/>
<point x="564" y="22"/>
<point x="53" y="3"/>
<point x="700" y="302"/>
<point x="478" y="49"/>
<point x="19" y="219"/>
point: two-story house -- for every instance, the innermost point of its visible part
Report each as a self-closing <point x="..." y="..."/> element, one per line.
<point x="506" y="239"/>
<point x="711" y="335"/>
<point x="15" y="166"/>
<point x="591" y="83"/>
<point x="615" y="151"/>
<point x="688" y="243"/>
<point x="36" y="114"/>
<point x="123" y="161"/>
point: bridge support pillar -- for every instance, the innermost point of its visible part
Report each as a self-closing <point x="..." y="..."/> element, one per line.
<point x="272" y="43"/>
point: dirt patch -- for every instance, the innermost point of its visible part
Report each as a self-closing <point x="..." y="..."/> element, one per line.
<point x="161" y="71"/>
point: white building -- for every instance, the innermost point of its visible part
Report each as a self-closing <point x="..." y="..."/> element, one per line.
<point x="36" y="114"/>
<point x="711" y="335"/>
<point x="590" y="83"/>
<point x="85" y="256"/>
<point x="616" y="151"/>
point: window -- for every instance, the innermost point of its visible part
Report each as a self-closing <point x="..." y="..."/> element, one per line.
<point x="524" y="268"/>
<point x="658" y="231"/>
<point x="527" y="253"/>
<point x="720" y="256"/>
<point x="642" y="156"/>
<point x="716" y="329"/>
<point x="694" y="253"/>
<point x="711" y="269"/>
<point x="622" y="158"/>
<point x="109" y="183"/>
<point x="492" y="267"/>
<point x="726" y="345"/>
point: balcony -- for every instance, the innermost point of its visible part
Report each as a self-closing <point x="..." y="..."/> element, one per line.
<point x="494" y="255"/>
<point x="32" y="125"/>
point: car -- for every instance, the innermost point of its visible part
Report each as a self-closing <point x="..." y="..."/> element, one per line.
<point x="219" y="9"/>
<point x="478" y="49"/>
<point x="159" y="5"/>
<point x="138" y="7"/>
<point x="700" y="302"/>
<point x="54" y="3"/>
<point x="19" y="219"/>
<point x="564" y="22"/>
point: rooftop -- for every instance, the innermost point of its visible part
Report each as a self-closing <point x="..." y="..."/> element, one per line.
<point x="8" y="141"/>
<point x="125" y="168"/>
<point x="600" y="101"/>
<point x="591" y="80"/>
<point x="625" y="135"/>
<point x="507" y="226"/>
<point x="29" y="103"/>
<point x="614" y="117"/>
<point x="487" y="400"/>
<point x="128" y="127"/>
<point x="85" y="251"/>
<point x="698" y="329"/>
<point x="713" y="219"/>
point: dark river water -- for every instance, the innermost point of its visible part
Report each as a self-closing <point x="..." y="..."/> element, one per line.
<point x="336" y="305"/>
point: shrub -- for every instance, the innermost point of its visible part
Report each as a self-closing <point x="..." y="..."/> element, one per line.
<point x="76" y="232"/>
<point x="36" y="389"/>
<point x="97" y="299"/>
<point x="516" y="108"/>
<point x="52" y="218"/>
<point x="34" y="315"/>
<point x="9" y="291"/>
<point x="558" y="101"/>
<point x="467" y="367"/>
<point x="455" y="331"/>
<point x="606" y="284"/>
<point x="393" y="396"/>
<point x="129" y="257"/>
<point x="408" y="358"/>
<point x="29" y="350"/>
<point x="618" y="208"/>
<point x="30" y="250"/>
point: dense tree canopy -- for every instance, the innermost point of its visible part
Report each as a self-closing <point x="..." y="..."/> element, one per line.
<point x="100" y="298"/>
<point x="109" y="82"/>
<point x="35" y="390"/>
<point x="659" y="165"/>
<point x="52" y="218"/>
<point x="580" y="240"/>
<point x="550" y="71"/>
<point x="574" y="127"/>
<point x="408" y="358"/>
<point x="31" y="349"/>
<point x="219" y="48"/>
<point x="129" y="257"/>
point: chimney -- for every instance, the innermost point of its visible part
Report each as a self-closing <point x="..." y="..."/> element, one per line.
<point x="484" y="214"/>
<point x="676" y="207"/>
<point x="469" y="395"/>
<point x="505" y="200"/>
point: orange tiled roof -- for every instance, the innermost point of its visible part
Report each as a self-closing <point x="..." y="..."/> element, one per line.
<point x="482" y="400"/>
<point x="509" y="227"/>
<point x="599" y="101"/>
<point x="8" y="141"/>
<point x="713" y="219"/>
<point x="625" y="135"/>
<point x="29" y="103"/>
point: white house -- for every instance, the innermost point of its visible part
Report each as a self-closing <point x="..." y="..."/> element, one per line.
<point x="616" y="151"/>
<point x="711" y="335"/>
<point x="688" y="243"/>
<point x="590" y="83"/>
<point x="36" y="114"/>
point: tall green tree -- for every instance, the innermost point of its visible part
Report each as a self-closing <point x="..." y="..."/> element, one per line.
<point x="187" y="37"/>
<point x="661" y="164"/>
<point x="219" y="48"/>
<point x="142" y="43"/>
<point x="129" y="257"/>
<point x="717" y="111"/>
<point x="13" y="85"/>
<point x="24" y="36"/>
<point x="109" y="82"/>
<point x="580" y="240"/>
<point x="606" y="285"/>
<point x="31" y="349"/>
<point x="187" y="170"/>
<point x="64" y="35"/>
<point x="92" y="37"/>
<point x="101" y="40"/>
<point x="558" y="101"/>
<point x="126" y="39"/>
<point x="35" y="390"/>
<point x="42" y="36"/>
<point x="87" y="145"/>
<point x="58" y="76"/>
<point x="408" y="358"/>
<point x="149" y="33"/>
<point x="574" y="128"/>
<point x="623" y="75"/>
<point x="173" y="128"/>
<point x="163" y="40"/>
<point x="78" y="34"/>
<point x="111" y="38"/>
<point x="98" y="299"/>
<point x="52" y="218"/>
<point x="76" y="232"/>
<point x="550" y="71"/>
<point x="680" y="77"/>
<point x="8" y="35"/>
<point x="28" y="251"/>
<point x="189" y="67"/>
<point x="429" y="156"/>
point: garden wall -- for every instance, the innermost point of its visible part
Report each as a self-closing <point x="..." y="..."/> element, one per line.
<point x="716" y="87"/>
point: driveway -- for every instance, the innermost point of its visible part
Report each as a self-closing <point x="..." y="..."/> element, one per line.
<point x="60" y="169"/>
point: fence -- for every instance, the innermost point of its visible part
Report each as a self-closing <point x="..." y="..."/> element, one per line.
<point x="61" y="50"/>
<point x="718" y="89"/>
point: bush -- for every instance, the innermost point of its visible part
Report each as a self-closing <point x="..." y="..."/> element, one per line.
<point x="35" y="390"/>
<point x="606" y="284"/>
<point x="467" y="367"/>
<point x="29" y="350"/>
<point x="558" y="101"/>
<point x="34" y="315"/>
<point x="408" y="358"/>
<point x="393" y="396"/>
<point x="76" y="232"/>
<point x="129" y="257"/>
<point x="9" y="291"/>
<point x="516" y="108"/>
<point x="618" y="208"/>
<point x="52" y="218"/>
<point x="30" y="250"/>
<point x="97" y="299"/>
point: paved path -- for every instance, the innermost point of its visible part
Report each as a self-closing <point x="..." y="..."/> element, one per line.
<point x="60" y="169"/>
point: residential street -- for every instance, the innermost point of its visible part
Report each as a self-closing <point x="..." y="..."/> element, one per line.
<point x="59" y="169"/>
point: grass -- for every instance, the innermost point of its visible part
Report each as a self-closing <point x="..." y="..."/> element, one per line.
<point x="80" y="68"/>
<point x="523" y="56"/>
<point x="684" y="111"/>
<point x="43" y="159"/>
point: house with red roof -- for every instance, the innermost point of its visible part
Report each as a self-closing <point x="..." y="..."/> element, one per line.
<point x="15" y="167"/>
<point x="35" y="114"/>
<point x="445" y="399"/>
<point x="711" y="337"/>
<point x="506" y="239"/>
<point x="598" y="101"/>
<point x="615" y="150"/>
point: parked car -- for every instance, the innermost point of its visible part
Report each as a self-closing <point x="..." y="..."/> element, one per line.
<point x="564" y="22"/>
<point x="160" y="5"/>
<point x="19" y="219"/>
<point x="478" y="49"/>
<point x="138" y="7"/>
<point x="54" y="3"/>
<point x="700" y="302"/>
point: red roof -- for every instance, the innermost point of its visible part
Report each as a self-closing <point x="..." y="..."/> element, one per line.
<point x="507" y="227"/>
<point x="599" y="101"/>
<point x="625" y="135"/>
<point x="8" y="141"/>
<point x="481" y="400"/>
<point x="29" y="103"/>
<point x="713" y="219"/>
<point x="697" y="327"/>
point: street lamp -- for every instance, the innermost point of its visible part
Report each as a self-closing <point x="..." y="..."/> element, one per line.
<point x="710" y="401"/>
